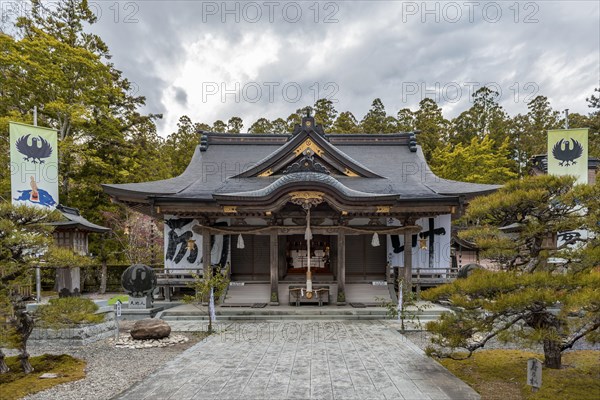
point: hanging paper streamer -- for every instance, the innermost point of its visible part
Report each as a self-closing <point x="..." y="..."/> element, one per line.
<point x="240" y="242"/>
<point x="211" y="306"/>
<point x="400" y="300"/>
<point x="375" y="240"/>
<point x="308" y="233"/>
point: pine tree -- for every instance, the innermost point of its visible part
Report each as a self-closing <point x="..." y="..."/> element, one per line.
<point x="345" y="123"/>
<point x="531" y="300"/>
<point x="219" y="126"/>
<point x="325" y="113"/>
<point x="432" y="126"/>
<point x="24" y="233"/>
<point x="376" y="121"/>
<point x="262" y="125"/>
<point x="279" y="125"/>
<point x="235" y="125"/>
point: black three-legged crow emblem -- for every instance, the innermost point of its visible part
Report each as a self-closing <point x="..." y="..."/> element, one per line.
<point x="566" y="154"/>
<point x="39" y="148"/>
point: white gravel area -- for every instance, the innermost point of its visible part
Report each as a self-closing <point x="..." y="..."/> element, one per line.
<point x="110" y="369"/>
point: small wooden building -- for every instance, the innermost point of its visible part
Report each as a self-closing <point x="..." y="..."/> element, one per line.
<point x="72" y="232"/>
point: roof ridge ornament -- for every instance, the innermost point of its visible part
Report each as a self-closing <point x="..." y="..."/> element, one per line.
<point x="308" y="124"/>
<point x="306" y="164"/>
<point x="412" y="141"/>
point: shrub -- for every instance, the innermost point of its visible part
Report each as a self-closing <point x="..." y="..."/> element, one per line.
<point x="68" y="311"/>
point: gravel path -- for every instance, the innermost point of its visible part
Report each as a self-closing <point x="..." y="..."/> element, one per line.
<point x="109" y="370"/>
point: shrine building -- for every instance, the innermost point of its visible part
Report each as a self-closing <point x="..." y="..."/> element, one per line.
<point x="340" y="211"/>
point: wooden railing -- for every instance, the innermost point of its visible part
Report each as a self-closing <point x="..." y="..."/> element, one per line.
<point x="427" y="277"/>
<point x="171" y="278"/>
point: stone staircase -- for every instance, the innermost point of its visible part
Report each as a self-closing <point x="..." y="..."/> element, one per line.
<point x="363" y="302"/>
<point x="248" y="294"/>
<point x="367" y="293"/>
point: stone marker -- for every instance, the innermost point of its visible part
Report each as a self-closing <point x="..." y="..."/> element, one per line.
<point x="150" y="329"/>
<point x="139" y="280"/>
<point x="534" y="374"/>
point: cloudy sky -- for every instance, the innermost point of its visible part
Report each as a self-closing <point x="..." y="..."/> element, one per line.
<point x="213" y="60"/>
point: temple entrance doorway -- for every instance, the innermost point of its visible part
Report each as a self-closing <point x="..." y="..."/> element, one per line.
<point x="296" y="256"/>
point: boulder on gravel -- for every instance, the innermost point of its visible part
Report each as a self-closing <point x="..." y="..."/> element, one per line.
<point x="150" y="329"/>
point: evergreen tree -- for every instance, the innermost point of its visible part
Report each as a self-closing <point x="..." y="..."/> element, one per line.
<point x="279" y="126"/>
<point x="219" y="126"/>
<point x="432" y="126"/>
<point x="532" y="139"/>
<point x="325" y="113"/>
<point x="24" y="233"/>
<point x="485" y="118"/>
<point x="65" y="72"/>
<point x="376" y="120"/>
<point x="345" y="123"/>
<point x="235" y="125"/>
<point x="292" y="120"/>
<point x="536" y="209"/>
<point x="534" y="301"/>
<point x="180" y="146"/>
<point x="405" y="120"/>
<point x="479" y="162"/>
<point x="262" y="125"/>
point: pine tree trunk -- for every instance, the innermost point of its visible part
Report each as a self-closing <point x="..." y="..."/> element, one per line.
<point x="552" y="354"/>
<point x="25" y="364"/>
<point x="3" y="367"/>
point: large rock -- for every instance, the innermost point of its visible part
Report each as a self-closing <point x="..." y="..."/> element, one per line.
<point x="150" y="329"/>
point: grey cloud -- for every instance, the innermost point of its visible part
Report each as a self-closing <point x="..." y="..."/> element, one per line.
<point x="181" y="96"/>
<point x="392" y="52"/>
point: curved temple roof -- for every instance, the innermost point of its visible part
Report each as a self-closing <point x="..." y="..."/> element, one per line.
<point x="74" y="220"/>
<point x="357" y="166"/>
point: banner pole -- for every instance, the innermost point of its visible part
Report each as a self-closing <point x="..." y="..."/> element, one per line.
<point x="38" y="275"/>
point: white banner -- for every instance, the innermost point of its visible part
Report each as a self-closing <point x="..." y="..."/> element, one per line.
<point x="435" y="234"/>
<point x="179" y="255"/>
<point x="33" y="165"/>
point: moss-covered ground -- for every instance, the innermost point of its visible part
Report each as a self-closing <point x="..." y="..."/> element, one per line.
<point x="15" y="384"/>
<point x="501" y="375"/>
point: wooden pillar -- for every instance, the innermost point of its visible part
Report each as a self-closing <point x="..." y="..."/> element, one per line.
<point x="206" y="261"/>
<point x="274" y="261"/>
<point x="408" y="256"/>
<point x="341" y="267"/>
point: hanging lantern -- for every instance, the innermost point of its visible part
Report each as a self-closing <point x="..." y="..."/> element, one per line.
<point x="423" y="244"/>
<point x="240" y="242"/>
<point x="190" y="244"/>
<point x="375" y="240"/>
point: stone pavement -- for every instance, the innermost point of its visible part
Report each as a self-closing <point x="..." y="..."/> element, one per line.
<point x="303" y="360"/>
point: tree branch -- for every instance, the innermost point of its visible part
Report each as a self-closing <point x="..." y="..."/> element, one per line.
<point x="587" y="328"/>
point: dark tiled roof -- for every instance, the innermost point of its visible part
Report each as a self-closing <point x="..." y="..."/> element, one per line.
<point x="393" y="168"/>
<point x="310" y="178"/>
<point x="74" y="220"/>
<point x="540" y="162"/>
